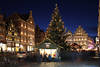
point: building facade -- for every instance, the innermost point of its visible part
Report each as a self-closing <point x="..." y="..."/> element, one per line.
<point x="98" y="35"/>
<point x="80" y="37"/>
<point x="2" y="33"/>
<point x="99" y="21"/>
<point x="24" y="24"/>
<point x="12" y="38"/>
<point x="27" y="33"/>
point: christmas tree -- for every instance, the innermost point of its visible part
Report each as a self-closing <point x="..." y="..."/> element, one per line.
<point x="56" y="30"/>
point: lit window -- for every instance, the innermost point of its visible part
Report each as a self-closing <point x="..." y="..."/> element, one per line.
<point x="21" y="39"/>
<point x="25" y="33"/>
<point x="21" y="32"/>
<point x="21" y="25"/>
<point x="85" y="39"/>
<point x="17" y="44"/>
<point x="9" y="33"/>
<point x="9" y="38"/>
<point x="25" y="26"/>
<point x="15" y="39"/>
<point x="33" y="30"/>
<point x="15" y="34"/>
<point x="21" y="46"/>
<point x="12" y="25"/>
<point x="25" y="40"/>
<point x="85" y="43"/>
<point x="9" y="49"/>
<point x="55" y="20"/>
<point x="31" y="22"/>
<point x="60" y="20"/>
<point x="10" y="28"/>
<point x="74" y="39"/>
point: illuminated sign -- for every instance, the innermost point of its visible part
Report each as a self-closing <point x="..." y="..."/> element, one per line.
<point x="47" y="45"/>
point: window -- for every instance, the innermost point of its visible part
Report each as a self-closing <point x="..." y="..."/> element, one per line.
<point x="10" y="28"/>
<point x="25" y="33"/>
<point x="15" y="34"/>
<point x="22" y="25"/>
<point x="21" y="33"/>
<point x="25" y="25"/>
<point x="9" y="32"/>
<point x="33" y="30"/>
<point x="21" y="40"/>
<point x="31" y="22"/>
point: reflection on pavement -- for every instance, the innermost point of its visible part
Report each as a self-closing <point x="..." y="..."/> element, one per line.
<point x="61" y="64"/>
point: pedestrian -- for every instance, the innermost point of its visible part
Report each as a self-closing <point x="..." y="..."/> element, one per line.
<point x="41" y="57"/>
<point x="49" y="58"/>
<point x="45" y="58"/>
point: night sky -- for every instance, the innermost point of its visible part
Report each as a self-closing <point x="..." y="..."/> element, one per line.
<point x="73" y="12"/>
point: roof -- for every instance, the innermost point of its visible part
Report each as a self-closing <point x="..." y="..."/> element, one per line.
<point x="17" y="16"/>
<point x="47" y="44"/>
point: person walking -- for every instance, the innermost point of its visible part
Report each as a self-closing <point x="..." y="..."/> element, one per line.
<point x="41" y="58"/>
<point x="45" y="58"/>
<point x="49" y="58"/>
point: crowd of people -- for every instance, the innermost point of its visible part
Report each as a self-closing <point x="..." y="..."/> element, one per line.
<point x="46" y="58"/>
<point x="38" y="57"/>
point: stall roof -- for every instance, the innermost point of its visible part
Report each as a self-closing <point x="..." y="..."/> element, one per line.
<point x="47" y="44"/>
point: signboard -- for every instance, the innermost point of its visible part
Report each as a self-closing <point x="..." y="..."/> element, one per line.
<point x="47" y="45"/>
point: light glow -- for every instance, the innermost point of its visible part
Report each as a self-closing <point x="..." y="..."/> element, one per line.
<point x="17" y="44"/>
<point x="9" y="49"/>
<point x="3" y="46"/>
<point x="52" y="52"/>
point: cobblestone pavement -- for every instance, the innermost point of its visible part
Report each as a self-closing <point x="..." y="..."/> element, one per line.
<point x="75" y="63"/>
<point x="62" y="64"/>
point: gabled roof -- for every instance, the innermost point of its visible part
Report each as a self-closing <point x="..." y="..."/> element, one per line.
<point x="43" y="44"/>
<point x="17" y="16"/>
<point x="69" y="32"/>
<point x="24" y="17"/>
<point x="80" y="31"/>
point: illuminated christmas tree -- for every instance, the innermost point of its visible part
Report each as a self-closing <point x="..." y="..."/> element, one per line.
<point x="56" y="30"/>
